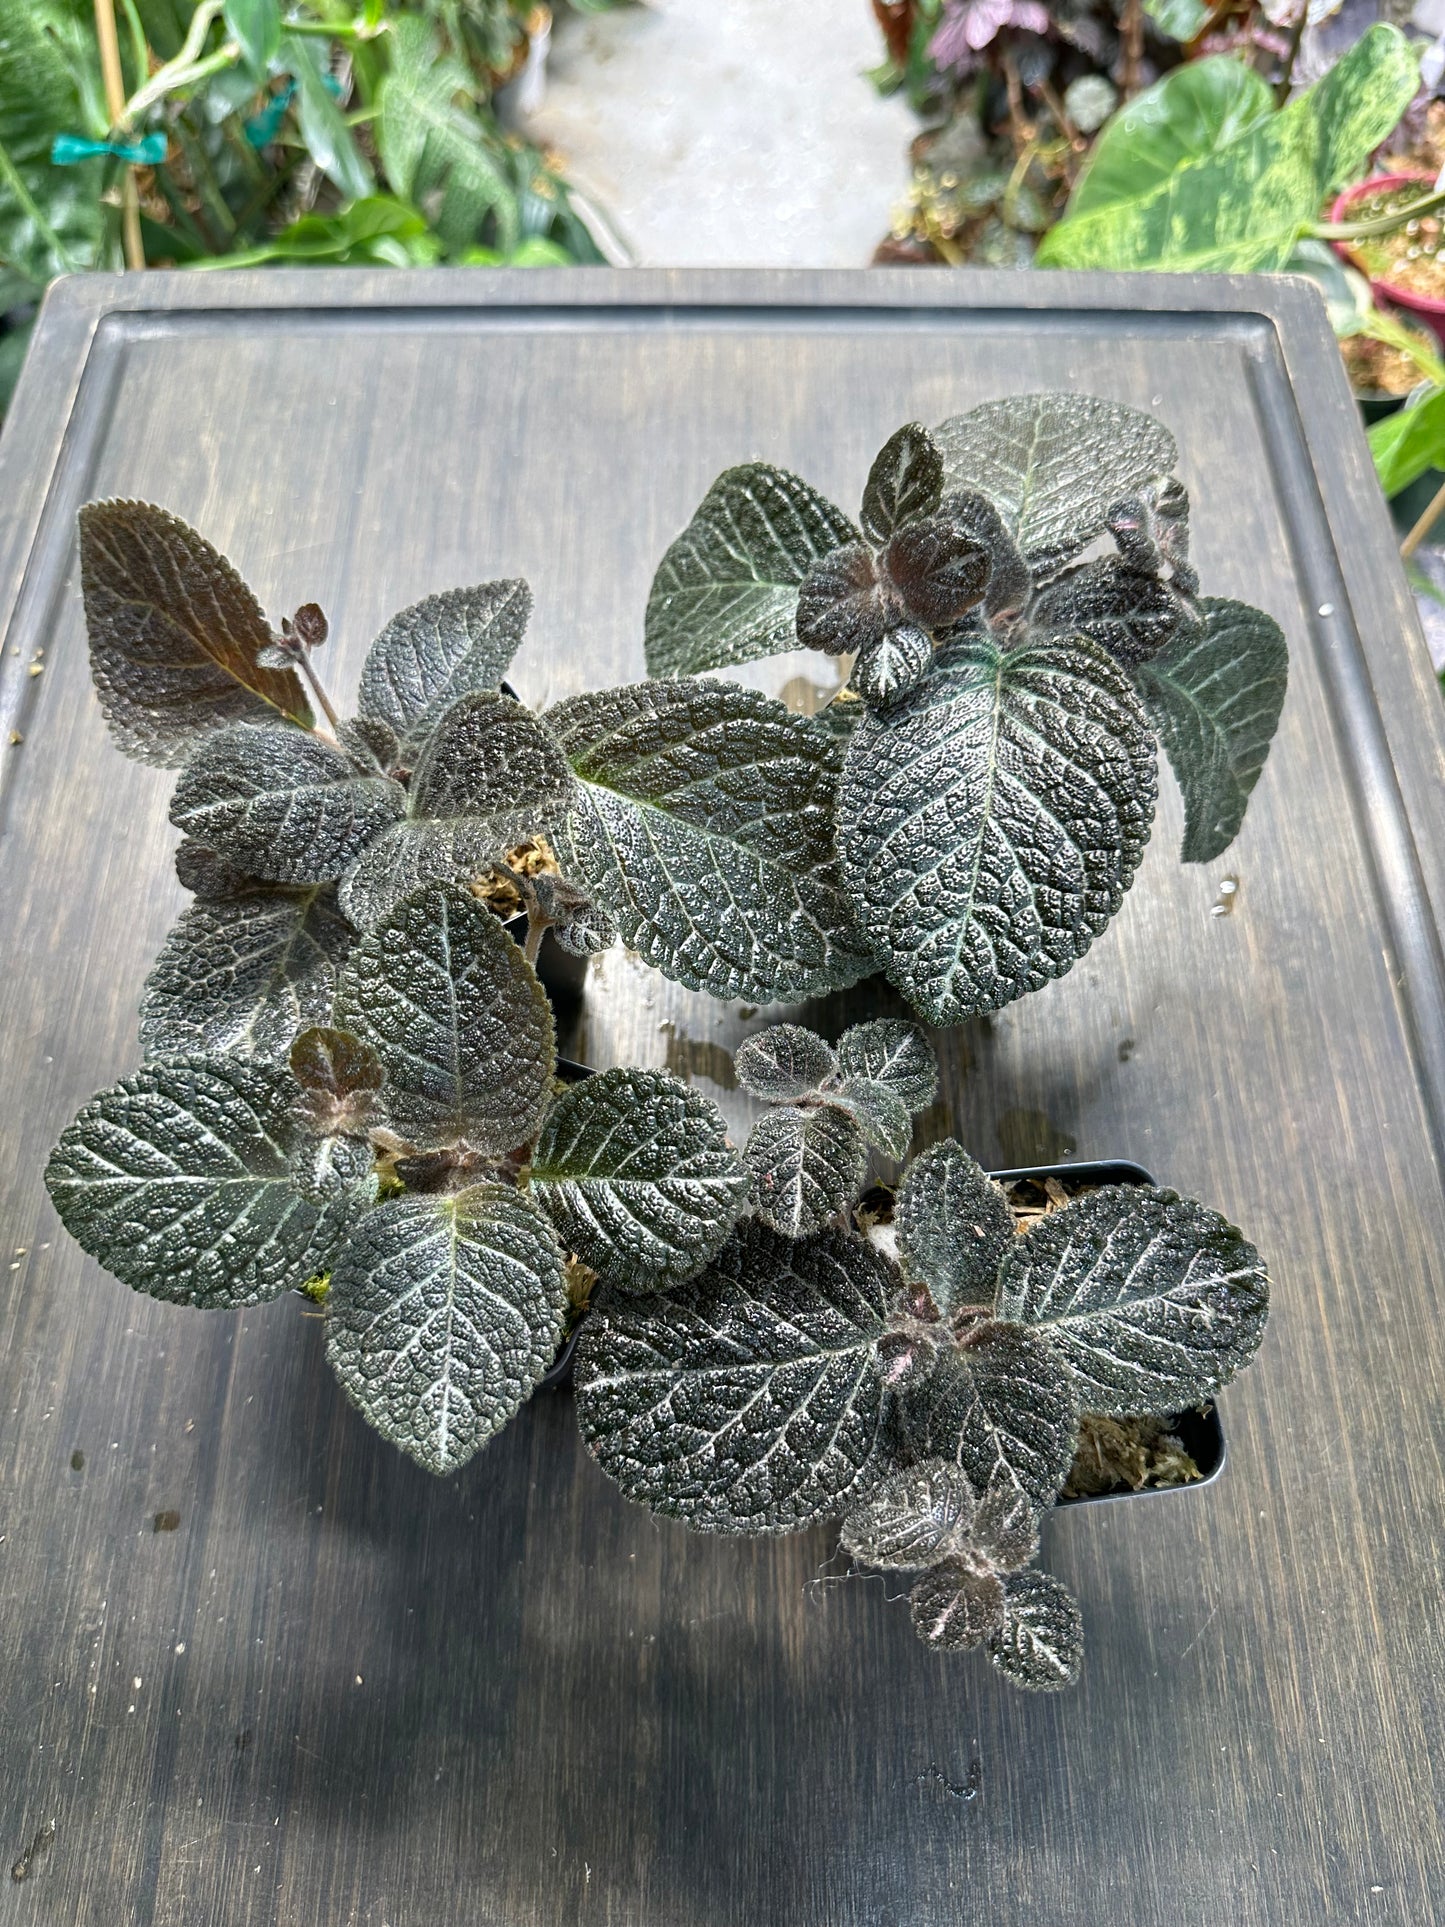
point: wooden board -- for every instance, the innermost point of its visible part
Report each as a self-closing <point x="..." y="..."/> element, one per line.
<point x="339" y="1691"/>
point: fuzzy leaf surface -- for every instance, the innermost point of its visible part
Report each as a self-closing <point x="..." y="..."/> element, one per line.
<point x="177" y="1181"/>
<point x="638" y="1176"/>
<point x="913" y="1518"/>
<point x="704" y="824"/>
<point x="783" y="1062"/>
<point x="726" y="591"/>
<point x="881" y="1114"/>
<point x="747" y="1401"/>
<point x="843" y="603"/>
<point x="957" y="1604"/>
<point x="991" y="821"/>
<point x="334" y="1166"/>
<point x="281" y="804"/>
<point x="954" y="1227"/>
<point x="454" y="1011"/>
<point x="1053" y="464"/>
<point x="175" y="635"/>
<point x="1215" y="696"/>
<point x="244" y="974"/>
<point x="1040" y="1643"/>
<point x="806" y="1166"/>
<point x="438" y="650"/>
<point x="889" y="665"/>
<point x="1001" y="1407"/>
<point x="1153" y="1300"/>
<point x="1129" y="612"/>
<point x="443" y="1315"/>
<point x="905" y="481"/>
<point x="891" y="1051"/>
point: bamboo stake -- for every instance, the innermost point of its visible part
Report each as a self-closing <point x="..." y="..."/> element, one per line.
<point x="110" y="69"/>
<point x="1426" y="522"/>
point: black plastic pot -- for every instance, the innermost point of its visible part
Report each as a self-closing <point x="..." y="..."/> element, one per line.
<point x="564" y="977"/>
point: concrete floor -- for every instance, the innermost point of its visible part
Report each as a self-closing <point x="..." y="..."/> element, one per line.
<point x="729" y="133"/>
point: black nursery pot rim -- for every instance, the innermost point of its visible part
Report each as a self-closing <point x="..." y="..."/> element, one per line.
<point x="1200" y="1432"/>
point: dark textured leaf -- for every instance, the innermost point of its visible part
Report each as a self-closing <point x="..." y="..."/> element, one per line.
<point x="991" y="821"/>
<point x="438" y="650"/>
<point x="1009" y="582"/>
<point x="881" y="1113"/>
<point x="489" y="775"/>
<point x="243" y="974"/>
<point x="784" y="1061"/>
<point x="913" y="1518"/>
<point x="372" y="745"/>
<point x="638" y="1177"/>
<point x="727" y="589"/>
<point x="891" y="1051"/>
<point x="281" y="804"/>
<point x="174" y="634"/>
<point x="444" y="1314"/>
<point x="208" y="874"/>
<point x="341" y="1081"/>
<point x="1053" y="465"/>
<point x="705" y="825"/>
<point x="748" y="1401"/>
<point x="905" y="481"/>
<point x="1040" y="1644"/>
<point x="1131" y="614"/>
<point x="806" y="1166"/>
<point x="1001" y="1405"/>
<point x="1006" y="1529"/>
<point x="1215" y="696"/>
<point x="938" y="570"/>
<point x="1154" y="1301"/>
<point x="843" y="605"/>
<point x="957" y="1605"/>
<point x="891" y="664"/>
<point x="337" y="1165"/>
<point x="456" y="1015"/>
<point x="954" y="1227"/>
<point x="177" y="1180"/>
<point x="335" y="1064"/>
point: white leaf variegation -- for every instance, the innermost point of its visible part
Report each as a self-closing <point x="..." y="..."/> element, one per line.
<point x="637" y="1174"/>
<point x="784" y="1061"/>
<point x="954" y="1227"/>
<point x="891" y="1051"/>
<point x="1039" y="1643"/>
<point x="1001" y="1406"/>
<point x="806" y="1165"/>
<point x="177" y="1179"/>
<point x="443" y="1315"/>
<point x="440" y="649"/>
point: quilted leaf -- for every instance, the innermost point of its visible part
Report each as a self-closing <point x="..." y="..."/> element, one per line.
<point x="905" y="481"/>
<point x="889" y="665"/>
<point x="806" y="1166"/>
<point x="1130" y="612"/>
<point x="1040" y="1641"/>
<point x="881" y="1114"/>
<point x="783" y="1062"/>
<point x="891" y="1051"/>
<point x="440" y="649"/>
<point x="957" y="1605"/>
<point x="1000" y="1406"/>
<point x="913" y="1518"/>
<point x="954" y="1227"/>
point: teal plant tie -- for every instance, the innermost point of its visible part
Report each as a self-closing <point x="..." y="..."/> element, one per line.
<point x="68" y="150"/>
<point x="263" y="128"/>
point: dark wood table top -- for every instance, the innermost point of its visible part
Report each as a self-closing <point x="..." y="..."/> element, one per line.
<point x="337" y="1690"/>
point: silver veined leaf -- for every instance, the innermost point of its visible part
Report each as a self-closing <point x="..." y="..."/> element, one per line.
<point x="1053" y="465"/>
<point x="177" y="1179"/>
<point x="444" y="1314"/>
<point x="175" y="635"/>
<point x="1006" y="1529"/>
<point x="905" y="482"/>
<point x="489" y="775"/>
<point x="1215" y="696"/>
<point x="726" y="591"/>
<point x="889" y="665"/>
<point x="281" y="804"/>
<point x="748" y="1401"/>
<point x="843" y="603"/>
<point x="938" y="570"/>
<point x="957" y="1604"/>
<point x="334" y="1166"/>
<point x="806" y="1166"/>
<point x="1153" y="1300"/>
<point x="881" y="1114"/>
<point x="637" y="1174"/>
<point x="891" y="1051"/>
<point x="991" y="821"/>
<point x="954" y="1227"/>
<point x="245" y="973"/>
<point x="439" y="649"/>
<point x="704" y="822"/>
<point x="913" y="1518"/>
<point x="333" y="1064"/>
<point x="456" y="1015"/>
<point x="783" y="1062"/>
<point x="206" y="873"/>
<point x="371" y="744"/>
<point x="1040" y="1642"/>
<point x="1133" y="613"/>
<point x="1000" y="1405"/>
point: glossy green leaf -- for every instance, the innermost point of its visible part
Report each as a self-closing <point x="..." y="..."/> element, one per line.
<point x="1040" y="1643"/>
<point x="891" y="1051"/>
<point x="52" y="220"/>
<point x="255" y="26"/>
<point x="1188" y="115"/>
<point x="1179" y="19"/>
<point x="806" y="1166"/>
<point x="438" y="650"/>
<point x="783" y="1062"/>
<point x="329" y="140"/>
<point x="1409" y="442"/>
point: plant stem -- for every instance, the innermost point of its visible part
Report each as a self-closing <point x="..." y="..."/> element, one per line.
<point x="184" y="68"/>
<point x="1426" y="522"/>
<point x="1131" y="29"/>
<point x="537" y="928"/>
<point x="114" y="79"/>
<point x="1286" y="79"/>
<point x="309" y="672"/>
<point x="1379" y="223"/>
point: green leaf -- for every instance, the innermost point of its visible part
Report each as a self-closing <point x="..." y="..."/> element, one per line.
<point x="905" y="481"/>
<point x="957" y="1605"/>
<point x="282" y="804"/>
<point x="443" y="1316"/>
<point x="438" y="650"/>
<point x="244" y="973"/>
<point x="881" y="1114"/>
<point x="1185" y="117"/>
<point x="1408" y="443"/>
<point x="375" y="231"/>
<point x="177" y="1180"/>
<point x="748" y="1401"/>
<point x="1040" y="1644"/>
<point x="637" y="1174"/>
<point x="490" y="775"/>
<point x="336" y="1165"/>
<point x="954" y="1227"/>
<point x="1215" y="696"/>
<point x="456" y="1015"/>
<point x="891" y="1051"/>
<point x="782" y="1062"/>
<point x="432" y="143"/>
<point x="704" y="825"/>
<point x="255" y="26"/>
<point x="1180" y="19"/>
<point x="806" y="1166"/>
<point x="1241" y="208"/>
<point x="1153" y="1300"/>
<point x="329" y="140"/>
<point x="52" y="220"/>
<point x="1053" y="465"/>
<point x="175" y="635"/>
<point x="913" y="1518"/>
<point x="1001" y="1406"/>
<point x="726" y="591"/>
<point x="991" y="821"/>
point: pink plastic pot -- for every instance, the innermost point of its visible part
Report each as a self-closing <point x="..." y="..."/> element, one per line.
<point x="1431" y="312"/>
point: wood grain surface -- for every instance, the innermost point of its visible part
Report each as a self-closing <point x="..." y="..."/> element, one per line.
<point x="254" y="1666"/>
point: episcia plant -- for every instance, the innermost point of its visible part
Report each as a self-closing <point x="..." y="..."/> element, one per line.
<point x="351" y="1082"/>
<point x="1024" y="624"/>
<point x="922" y="1378"/>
